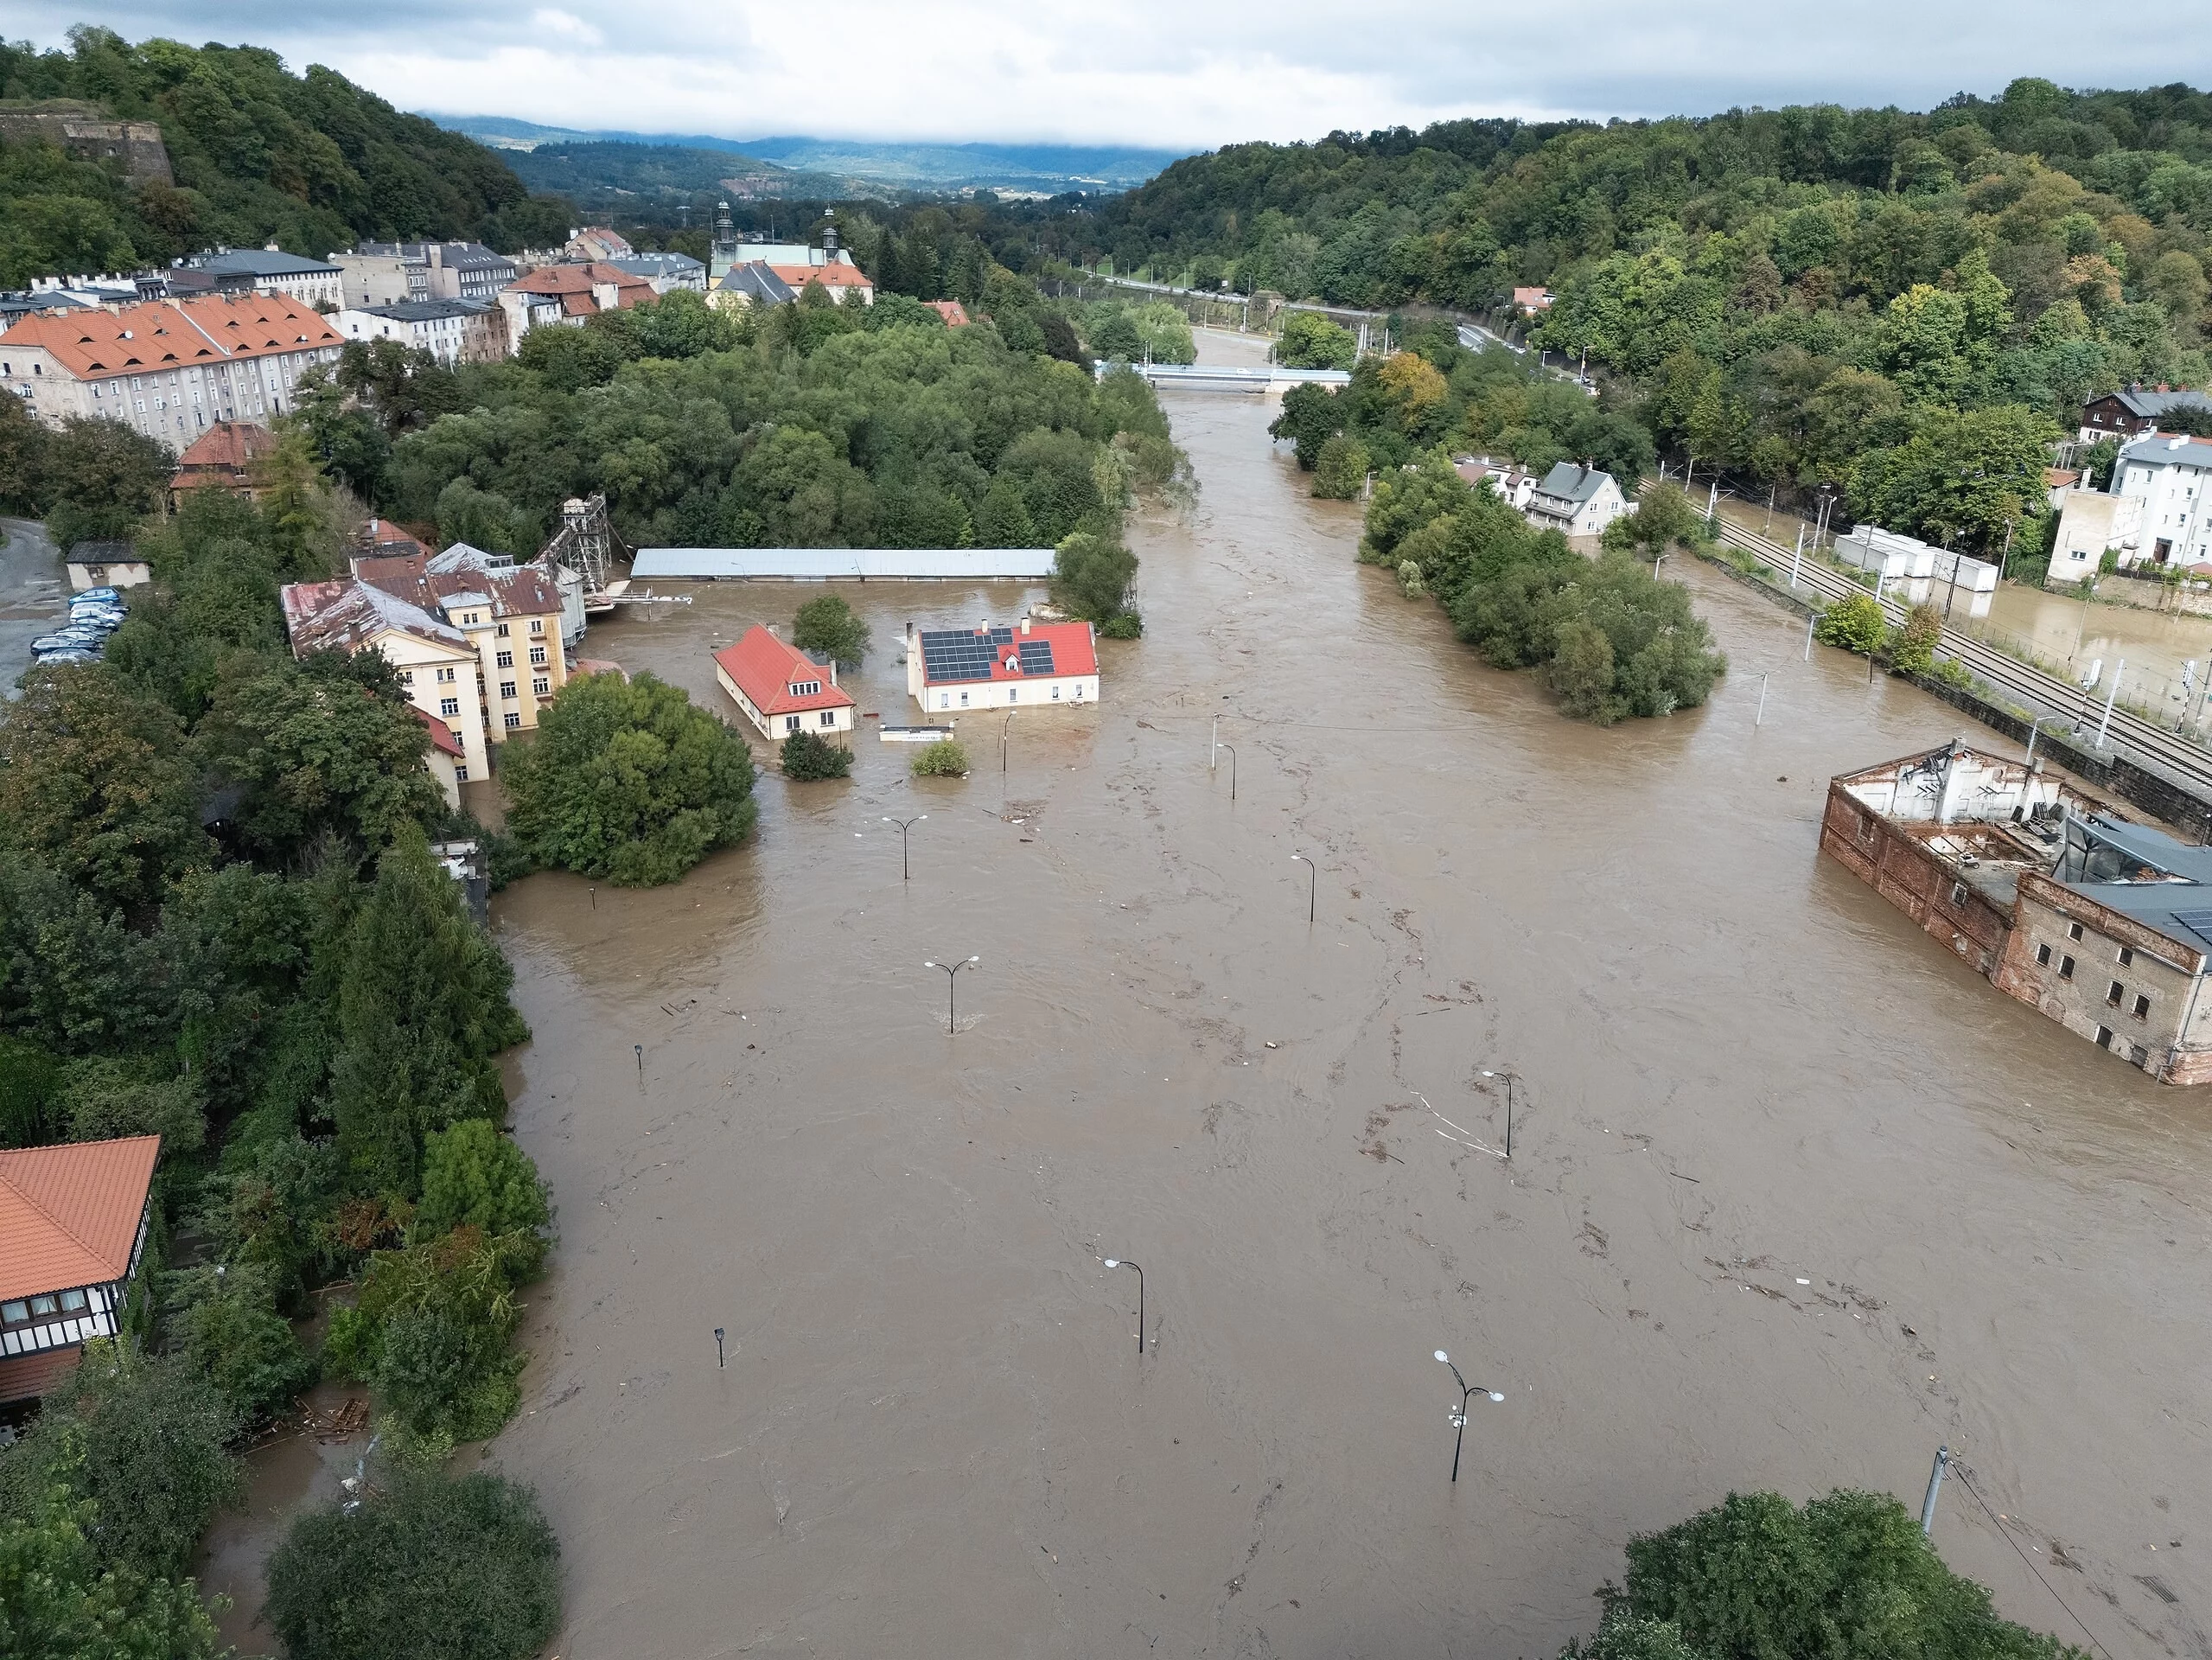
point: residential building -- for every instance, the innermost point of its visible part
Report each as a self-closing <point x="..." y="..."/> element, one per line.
<point x="665" y="270"/>
<point x="2089" y="523"/>
<point x="2102" y="925"/>
<point x="168" y="368"/>
<point x="313" y="282"/>
<point x="106" y="565"/>
<point x="1024" y="666"/>
<point x="447" y="761"/>
<point x="781" y="689"/>
<point x="597" y="242"/>
<point x="567" y="294"/>
<point x="1580" y="500"/>
<point x="956" y="314"/>
<point x="466" y="270"/>
<point x="222" y="457"/>
<point x="1508" y="478"/>
<point x="74" y="1221"/>
<point x="383" y="273"/>
<point x="442" y="327"/>
<point x="1532" y="299"/>
<point x="476" y="637"/>
<point x="2132" y="412"/>
<point x="2170" y="475"/>
<point x="784" y="269"/>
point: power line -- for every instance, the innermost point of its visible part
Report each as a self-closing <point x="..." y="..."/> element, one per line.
<point x="1996" y="1522"/>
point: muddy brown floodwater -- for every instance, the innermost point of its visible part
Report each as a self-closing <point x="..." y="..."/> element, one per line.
<point x="1794" y="1197"/>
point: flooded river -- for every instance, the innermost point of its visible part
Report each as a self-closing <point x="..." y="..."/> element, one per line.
<point x="1794" y="1196"/>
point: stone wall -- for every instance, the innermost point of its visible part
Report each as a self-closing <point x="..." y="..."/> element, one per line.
<point x="88" y="133"/>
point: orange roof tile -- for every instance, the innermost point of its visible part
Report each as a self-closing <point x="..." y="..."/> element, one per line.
<point x="838" y="276"/>
<point x="573" y="285"/>
<point x="956" y="314"/>
<point x="93" y="344"/>
<point x="442" y="736"/>
<point x="766" y="668"/>
<point x="69" y="1215"/>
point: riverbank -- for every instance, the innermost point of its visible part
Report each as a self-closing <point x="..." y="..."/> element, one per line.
<point x="1794" y="1196"/>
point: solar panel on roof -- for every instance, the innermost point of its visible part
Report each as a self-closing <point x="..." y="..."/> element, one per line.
<point x="957" y="655"/>
<point x="2198" y="923"/>
<point x="1036" y="656"/>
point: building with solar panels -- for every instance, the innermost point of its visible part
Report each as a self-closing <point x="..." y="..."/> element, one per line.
<point x="1024" y="665"/>
<point x="2102" y="925"/>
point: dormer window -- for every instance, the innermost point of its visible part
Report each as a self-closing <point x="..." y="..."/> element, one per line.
<point x="805" y="689"/>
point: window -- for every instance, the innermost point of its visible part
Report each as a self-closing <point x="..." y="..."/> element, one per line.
<point x="505" y="659"/>
<point x="1958" y="893"/>
<point x="2066" y="967"/>
<point x="537" y="653"/>
<point x="2074" y="932"/>
<point x="791" y="723"/>
<point x="964" y="699"/>
<point x="12" y="1312"/>
<point x="944" y="699"/>
<point x="506" y="688"/>
<point x="829" y="717"/>
<point x="542" y="686"/>
<point x="461" y="774"/>
<point x="503" y="630"/>
<point x="537" y="625"/>
<point x="1012" y="693"/>
<point x="805" y="689"/>
<point x="2142" y="1006"/>
<point x="448" y="706"/>
<point x="513" y="720"/>
<point x="2117" y="995"/>
<point x="2127" y="956"/>
<point x="471" y="617"/>
<point x="2104" y="1037"/>
<point x="2042" y="956"/>
<point x="72" y="1301"/>
<point x="43" y="1306"/>
<point x="445" y="677"/>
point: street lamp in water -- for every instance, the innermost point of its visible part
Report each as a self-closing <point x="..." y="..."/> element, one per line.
<point x="1510" y="1078"/>
<point x="1459" y="1418"/>
<point x="951" y="974"/>
<point x="1116" y="1262"/>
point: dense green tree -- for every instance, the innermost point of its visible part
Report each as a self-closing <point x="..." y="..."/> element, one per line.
<point x="223" y="1320"/>
<point x="101" y="1097"/>
<point x="97" y="782"/>
<point x="629" y="782"/>
<point x="1854" y="622"/>
<point x="1311" y="341"/>
<point x="1663" y="518"/>
<point x="60" y="1600"/>
<point x="431" y="1567"/>
<point x="475" y="1176"/>
<point x="807" y="758"/>
<point x="1340" y="472"/>
<point x="1092" y="577"/>
<point x="1960" y="479"/>
<point x="29" y="1076"/>
<point x="1840" y="1578"/>
<point x="1311" y="416"/>
<point x="98" y="478"/>
<point x="422" y="1011"/>
<point x="829" y="625"/>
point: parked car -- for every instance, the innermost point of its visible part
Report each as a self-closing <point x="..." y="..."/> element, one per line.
<point x="99" y="593"/>
<point x="77" y="655"/>
<point x="69" y="640"/>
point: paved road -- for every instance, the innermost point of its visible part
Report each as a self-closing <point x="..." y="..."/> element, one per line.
<point x="33" y="589"/>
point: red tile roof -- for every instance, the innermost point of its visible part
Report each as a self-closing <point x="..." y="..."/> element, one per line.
<point x="952" y="311"/>
<point x="69" y="1215"/>
<point x="442" y="736"/>
<point x="765" y="669"/>
<point x="795" y="278"/>
<point x="573" y="286"/>
<point x="224" y="454"/>
<point x="92" y="344"/>
<point x="1074" y="651"/>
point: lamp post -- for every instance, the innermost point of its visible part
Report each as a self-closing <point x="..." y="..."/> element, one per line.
<point x="1005" y="730"/>
<point x="1232" y="749"/>
<point x="951" y="974"/>
<point x="1459" y="1418"/>
<point x="1313" y="888"/>
<point x="1510" y="1078"/>
<point x="904" y="825"/>
<point x="1122" y="1262"/>
<point x="717" y="1348"/>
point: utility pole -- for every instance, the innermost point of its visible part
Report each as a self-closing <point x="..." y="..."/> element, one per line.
<point x="2111" y="697"/>
<point x="1760" y="719"/>
<point x="1934" y="1487"/>
<point x="1797" y="559"/>
<point x="1213" y="752"/>
<point x="1809" y="622"/>
<point x="1712" y="499"/>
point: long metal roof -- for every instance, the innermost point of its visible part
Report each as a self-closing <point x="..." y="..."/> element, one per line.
<point x="847" y="564"/>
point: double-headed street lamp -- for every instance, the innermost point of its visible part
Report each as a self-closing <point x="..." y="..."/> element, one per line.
<point x="1120" y="1262"/>
<point x="904" y="825"/>
<point x="1313" y="888"/>
<point x="1459" y="1418"/>
<point x="951" y="974"/>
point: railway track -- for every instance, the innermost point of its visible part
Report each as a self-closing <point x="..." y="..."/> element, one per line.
<point x="2062" y="700"/>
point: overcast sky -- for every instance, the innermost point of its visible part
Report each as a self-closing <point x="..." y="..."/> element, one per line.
<point x="1161" y="73"/>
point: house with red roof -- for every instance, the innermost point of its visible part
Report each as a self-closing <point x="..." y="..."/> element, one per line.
<point x="956" y="314"/>
<point x="73" y="1231"/>
<point x="781" y="689"/>
<point x="1017" y="666"/>
<point x="222" y="457"/>
<point x="568" y="294"/>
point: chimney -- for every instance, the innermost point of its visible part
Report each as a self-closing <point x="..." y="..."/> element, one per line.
<point x="1025" y="621"/>
<point x="984" y="627"/>
<point x="833" y="669"/>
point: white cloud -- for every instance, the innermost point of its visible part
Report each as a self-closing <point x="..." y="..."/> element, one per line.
<point x="1151" y="72"/>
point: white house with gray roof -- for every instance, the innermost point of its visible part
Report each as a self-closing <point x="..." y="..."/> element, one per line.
<point x="271" y="270"/>
<point x="1580" y="500"/>
<point x="2169" y="475"/>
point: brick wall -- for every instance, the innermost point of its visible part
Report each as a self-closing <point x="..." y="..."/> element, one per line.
<point x="1915" y="880"/>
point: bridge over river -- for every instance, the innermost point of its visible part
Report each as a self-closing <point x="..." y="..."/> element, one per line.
<point x="1224" y="377"/>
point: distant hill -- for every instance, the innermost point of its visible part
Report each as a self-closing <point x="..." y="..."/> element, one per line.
<point x="255" y="154"/>
<point x="886" y="165"/>
<point x="579" y="168"/>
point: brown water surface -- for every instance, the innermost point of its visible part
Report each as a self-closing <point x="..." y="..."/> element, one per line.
<point x="1794" y="1196"/>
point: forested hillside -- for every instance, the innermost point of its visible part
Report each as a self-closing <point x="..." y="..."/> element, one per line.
<point x="311" y="161"/>
<point x="1809" y="295"/>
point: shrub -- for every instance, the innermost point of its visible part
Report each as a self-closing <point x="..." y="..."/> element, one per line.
<point x="1313" y="341"/>
<point x="628" y="781"/>
<point x="1854" y="622"/>
<point x="475" y="1176"/>
<point x="1913" y="652"/>
<point x="1125" y="625"/>
<point x="809" y="756"/>
<point x="1409" y="579"/>
<point x="1340" y="472"/>
<point x="829" y="625"/>
<point x="943" y="759"/>
<point x="439" y="1567"/>
<point x="225" y="1323"/>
